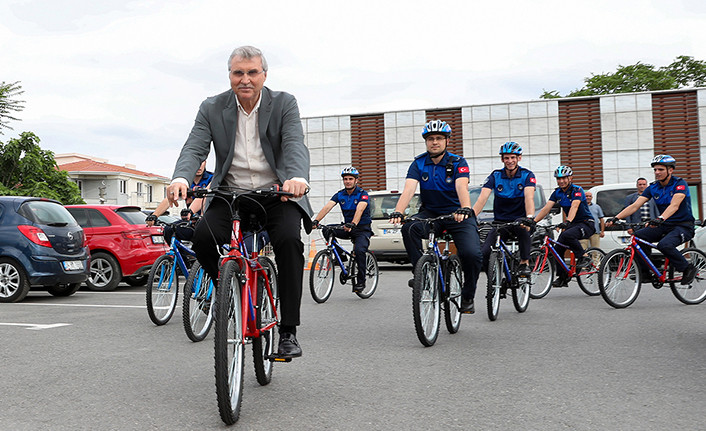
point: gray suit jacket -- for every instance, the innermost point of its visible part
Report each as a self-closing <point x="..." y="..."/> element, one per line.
<point x="636" y="216"/>
<point x="281" y="136"/>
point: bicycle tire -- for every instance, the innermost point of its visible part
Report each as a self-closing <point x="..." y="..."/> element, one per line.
<point x="321" y="276"/>
<point x="162" y="290"/>
<point x="197" y="307"/>
<point x="229" y="343"/>
<point x="587" y="278"/>
<point x="542" y="275"/>
<point x="495" y="282"/>
<point x="372" y="274"/>
<point x="695" y="292"/>
<point x="453" y="275"/>
<point x="521" y="294"/>
<point x="264" y="345"/>
<point x="426" y="309"/>
<point x="619" y="279"/>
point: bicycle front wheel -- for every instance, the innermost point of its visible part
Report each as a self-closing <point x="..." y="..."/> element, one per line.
<point x="372" y="273"/>
<point x="521" y="294"/>
<point x="321" y="276"/>
<point x="266" y="314"/>
<point x="452" y="302"/>
<point x="198" y="305"/>
<point x="542" y="273"/>
<point x="619" y="279"/>
<point x="588" y="277"/>
<point x="162" y="290"/>
<point x="695" y="292"/>
<point x="425" y="300"/>
<point x="495" y="282"/>
<point x="229" y="343"/>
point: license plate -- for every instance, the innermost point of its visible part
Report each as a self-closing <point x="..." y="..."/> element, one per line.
<point x="157" y="239"/>
<point x="393" y="231"/>
<point x="73" y="265"/>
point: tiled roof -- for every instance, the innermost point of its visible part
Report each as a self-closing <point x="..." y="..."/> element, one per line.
<point x="93" y="166"/>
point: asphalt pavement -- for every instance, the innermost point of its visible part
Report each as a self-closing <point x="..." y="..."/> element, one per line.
<point x="571" y="362"/>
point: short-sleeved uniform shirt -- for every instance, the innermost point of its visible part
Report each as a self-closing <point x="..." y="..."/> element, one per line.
<point x="349" y="203"/>
<point x="663" y="197"/>
<point x="437" y="182"/>
<point x="565" y="198"/>
<point x="205" y="180"/>
<point x="509" y="193"/>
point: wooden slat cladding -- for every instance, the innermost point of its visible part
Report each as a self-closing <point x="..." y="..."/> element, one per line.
<point x="580" y="140"/>
<point x="368" y="150"/>
<point x="675" y="118"/>
<point x="454" y="118"/>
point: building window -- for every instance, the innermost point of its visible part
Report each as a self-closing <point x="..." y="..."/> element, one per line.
<point x="139" y="189"/>
<point x="79" y="183"/>
<point x="123" y="186"/>
<point x="149" y="193"/>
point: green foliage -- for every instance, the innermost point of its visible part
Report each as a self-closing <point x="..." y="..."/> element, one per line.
<point x="8" y="104"/>
<point x="684" y="71"/>
<point x="27" y="170"/>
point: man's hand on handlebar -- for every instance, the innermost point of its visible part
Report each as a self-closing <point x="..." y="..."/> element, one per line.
<point x="462" y="214"/>
<point x="150" y="219"/>
<point x="396" y="217"/>
<point x="295" y="187"/>
<point x="175" y="192"/>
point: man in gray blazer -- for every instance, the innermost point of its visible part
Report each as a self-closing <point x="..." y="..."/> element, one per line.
<point x="258" y="141"/>
<point x="648" y="211"/>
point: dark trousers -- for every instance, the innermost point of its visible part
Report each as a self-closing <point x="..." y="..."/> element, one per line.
<point x="360" y="236"/>
<point x="183" y="233"/>
<point x="570" y="238"/>
<point x="523" y="238"/>
<point x="283" y="223"/>
<point x="669" y="237"/>
<point x="466" y="239"/>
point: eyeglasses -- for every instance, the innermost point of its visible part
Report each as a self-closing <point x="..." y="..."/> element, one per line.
<point x="435" y="138"/>
<point x="251" y="73"/>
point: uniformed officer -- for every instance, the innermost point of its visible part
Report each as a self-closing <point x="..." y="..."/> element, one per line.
<point x="578" y="222"/>
<point x="513" y="187"/>
<point x="675" y="224"/>
<point x="356" y="214"/>
<point x="443" y="184"/>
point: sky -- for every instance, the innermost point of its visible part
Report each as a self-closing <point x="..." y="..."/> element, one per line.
<point x="122" y="80"/>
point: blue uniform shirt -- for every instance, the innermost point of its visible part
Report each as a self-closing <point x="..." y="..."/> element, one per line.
<point x="206" y="178"/>
<point x="663" y="197"/>
<point x="437" y="182"/>
<point x="509" y="192"/>
<point x="565" y="198"/>
<point x="349" y="203"/>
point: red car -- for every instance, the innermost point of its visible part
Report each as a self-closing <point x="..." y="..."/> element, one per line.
<point x="122" y="246"/>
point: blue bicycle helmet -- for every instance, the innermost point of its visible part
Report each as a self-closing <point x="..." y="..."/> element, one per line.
<point x="563" y="171"/>
<point x="436" y="127"/>
<point x="510" y="148"/>
<point x="664" y="159"/>
<point x="350" y="170"/>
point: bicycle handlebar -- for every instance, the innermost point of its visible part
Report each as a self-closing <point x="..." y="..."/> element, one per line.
<point x="226" y="191"/>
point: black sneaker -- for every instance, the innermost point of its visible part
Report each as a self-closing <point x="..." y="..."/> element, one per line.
<point x="524" y="270"/>
<point x="358" y="287"/>
<point x="689" y="274"/>
<point x="584" y="262"/>
<point x="560" y="282"/>
<point x="410" y="283"/>
<point x="467" y="306"/>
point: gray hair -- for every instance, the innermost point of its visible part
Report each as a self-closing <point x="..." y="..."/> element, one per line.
<point x="248" y="52"/>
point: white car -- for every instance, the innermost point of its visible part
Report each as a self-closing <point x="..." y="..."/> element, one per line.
<point x="386" y="242"/>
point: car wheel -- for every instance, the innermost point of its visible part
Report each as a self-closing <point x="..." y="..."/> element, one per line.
<point x="64" y="289"/>
<point x="14" y="285"/>
<point x="105" y="272"/>
<point x="136" y="281"/>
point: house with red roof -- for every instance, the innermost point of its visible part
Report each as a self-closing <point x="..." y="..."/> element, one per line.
<point x="103" y="183"/>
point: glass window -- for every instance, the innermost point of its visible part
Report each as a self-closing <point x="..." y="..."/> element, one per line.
<point x="80" y="215"/>
<point x="123" y="186"/>
<point x="132" y="215"/>
<point x="381" y="206"/>
<point x="97" y="219"/>
<point x="47" y="213"/>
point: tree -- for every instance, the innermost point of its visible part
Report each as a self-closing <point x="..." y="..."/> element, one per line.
<point x="27" y="170"/>
<point x="8" y="105"/>
<point x="683" y="72"/>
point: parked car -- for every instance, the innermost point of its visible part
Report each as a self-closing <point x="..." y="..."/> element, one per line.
<point x="40" y="245"/>
<point x="386" y="242"/>
<point x="165" y="218"/>
<point x="122" y="246"/>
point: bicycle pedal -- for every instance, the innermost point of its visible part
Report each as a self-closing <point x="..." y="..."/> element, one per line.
<point x="276" y="358"/>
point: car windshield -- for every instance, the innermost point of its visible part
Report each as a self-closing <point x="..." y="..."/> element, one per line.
<point x="46" y="213"/>
<point x="132" y="215"/>
<point x="381" y="206"/>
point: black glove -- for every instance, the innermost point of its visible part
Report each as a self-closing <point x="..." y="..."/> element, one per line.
<point x="613" y="220"/>
<point x="467" y="211"/>
<point x="656" y="221"/>
<point x="397" y="214"/>
<point x="529" y="222"/>
<point x="563" y="225"/>
<point x="350" y="225"/>
<point x="315" y="223"/>
<point x="186" y="213"/>
<point x="151" y="218"/>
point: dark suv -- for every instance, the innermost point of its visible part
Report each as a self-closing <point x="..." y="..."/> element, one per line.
<point x="40" y="245"/>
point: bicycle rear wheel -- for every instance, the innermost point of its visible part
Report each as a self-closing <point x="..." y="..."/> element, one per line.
<point x="321" y="276"/>
<point x="542" y="273"/>
<point x="425" y="300"/>
<point x="229" y="343"/>
<point x="162" y="290"/>
<point x="198" y="305"/>
<point x="521" y="294"/>
<point x="619" y="279"/>
<point x="495" y="282"/>
<point x="372" y="273"/>
<point x="695" y="292"/>
<point x="587" y="278"/>
<point x="264" y="345"/>
<point x="454" y="284"/>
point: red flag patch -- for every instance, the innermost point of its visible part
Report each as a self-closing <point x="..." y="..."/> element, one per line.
<point x="364" y="197"/>
<point x="463" y="170"/>
<point x="577" y="194"/>
<point x="533" y="180"/>
<point x="681" y="187"/>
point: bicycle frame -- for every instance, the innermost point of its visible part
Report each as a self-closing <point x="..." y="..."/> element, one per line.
<point x="501" y="247"/>
<point x="338" y="251"/>
<point x="635" y="249"/>
<point x="548" y="245"/>
<point x="441" y="258"/>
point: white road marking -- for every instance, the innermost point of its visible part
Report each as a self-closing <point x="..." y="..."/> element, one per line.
<point x="84" y="305"/>
<point x="37" y="326"/>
